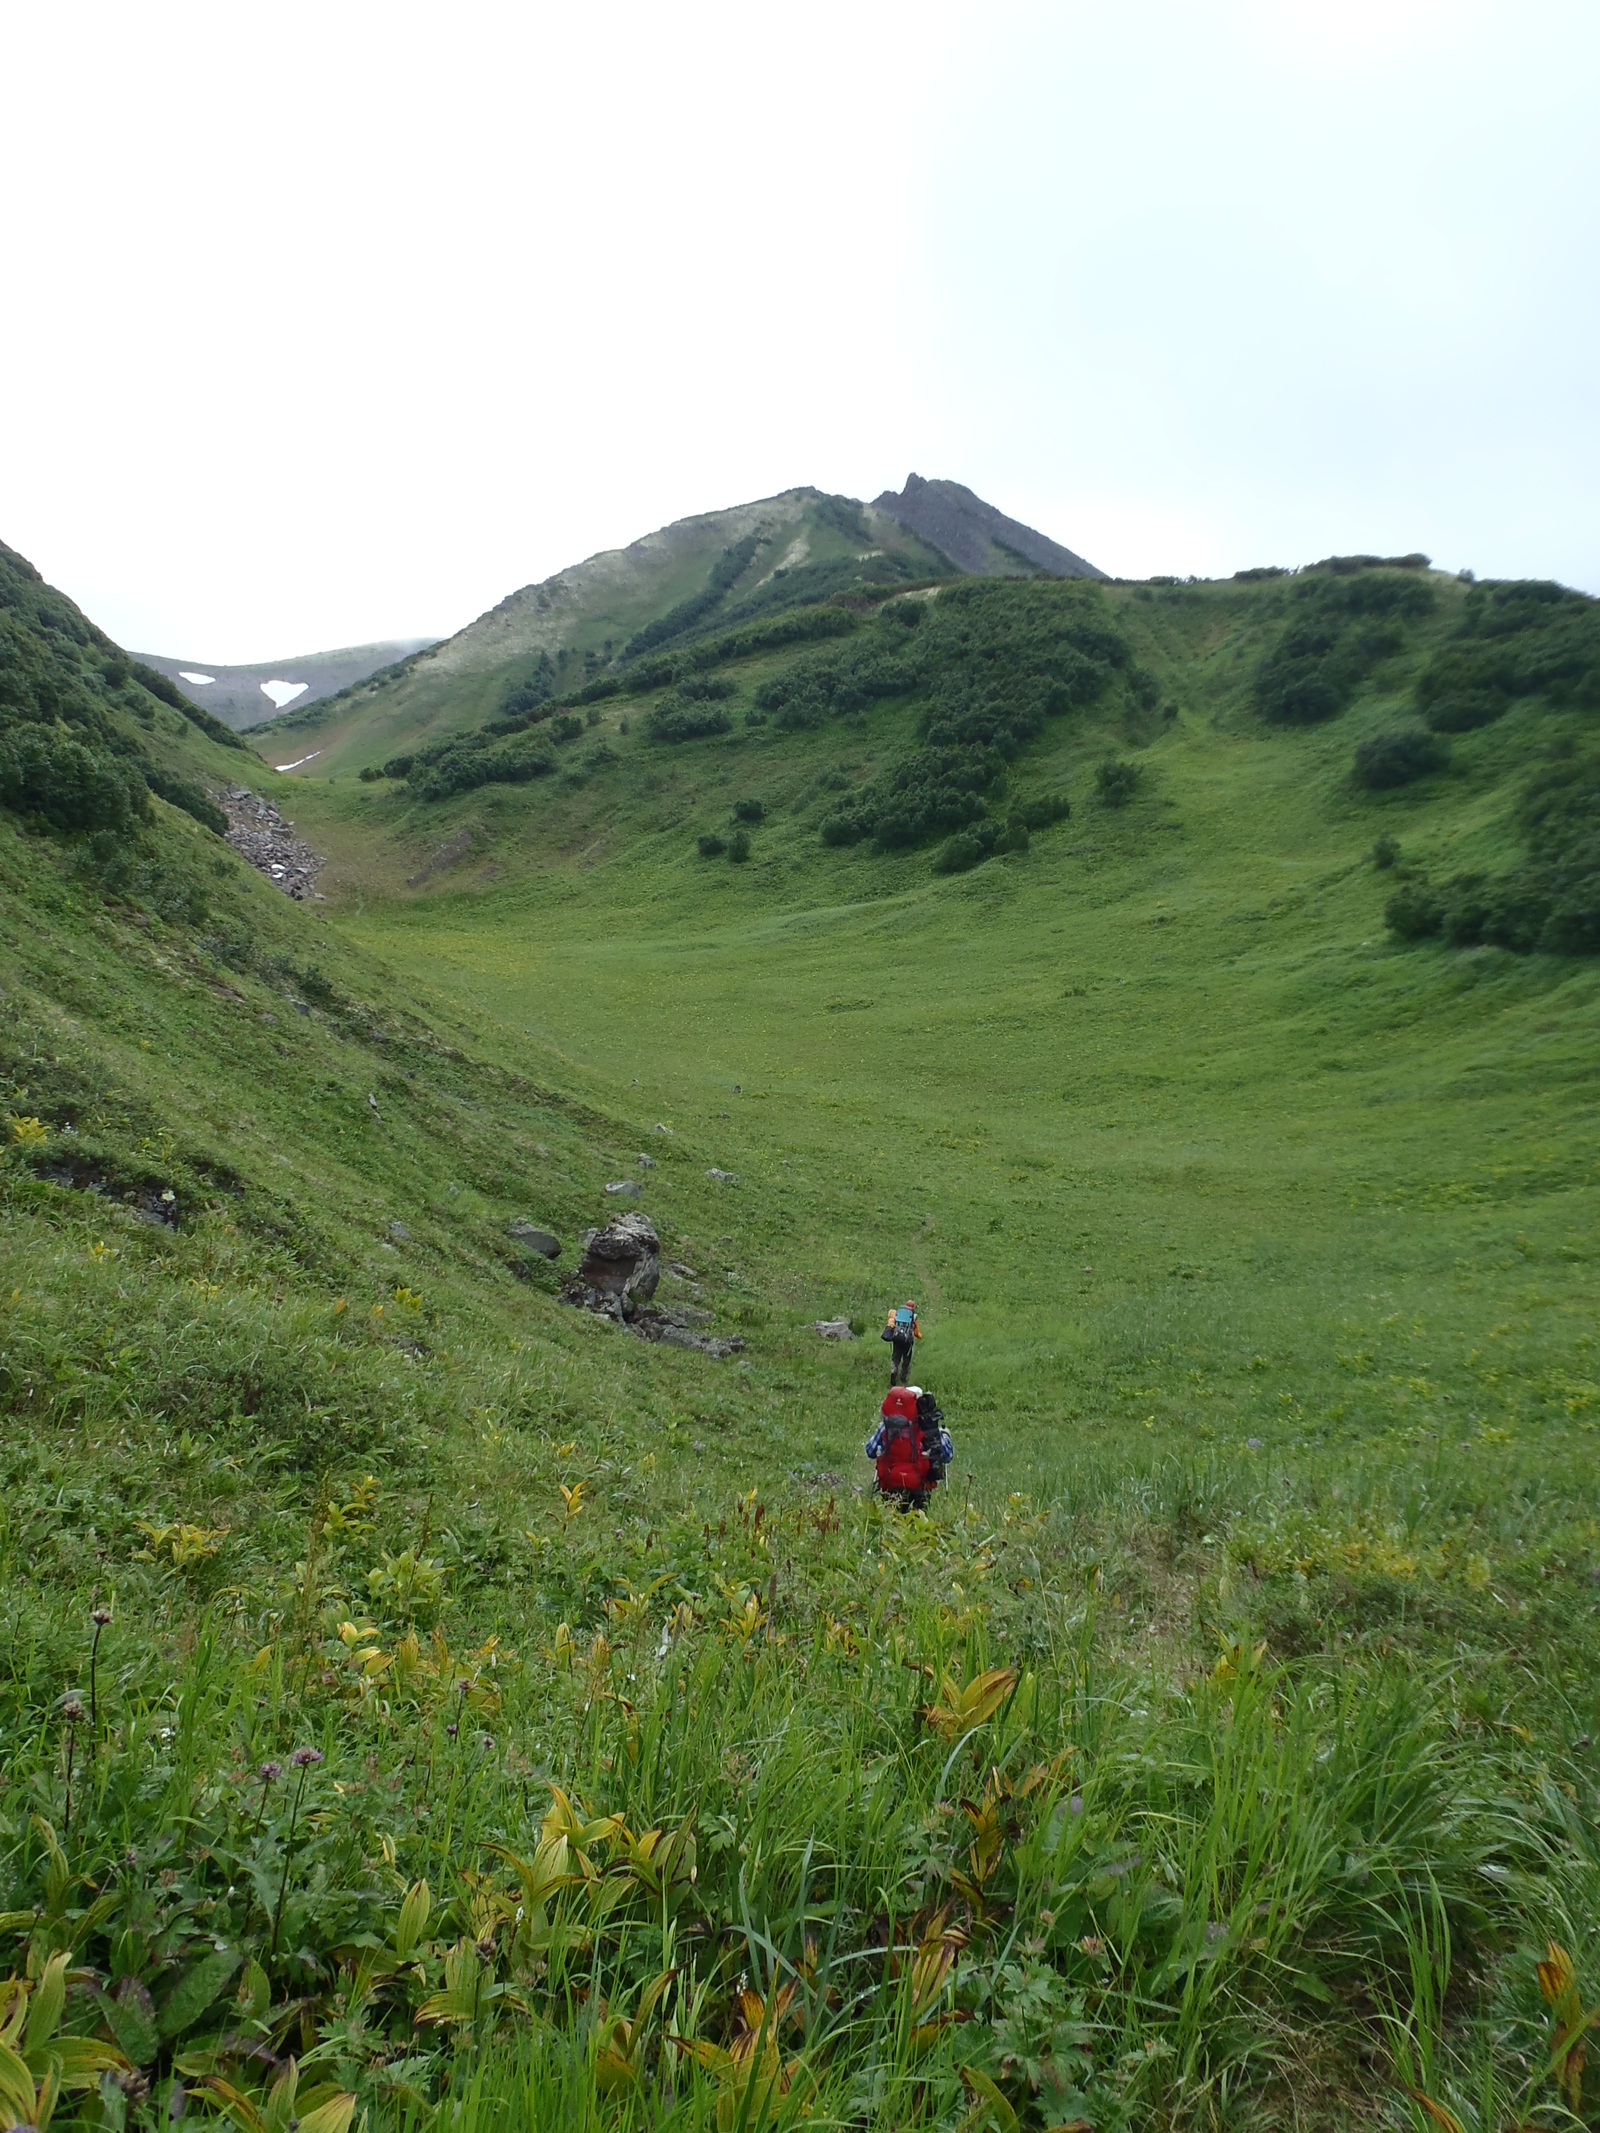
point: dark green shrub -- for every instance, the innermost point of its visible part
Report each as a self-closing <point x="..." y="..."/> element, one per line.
<point x="566" y="728"/>
<point x="1143" y="688"/>
<point x="1517" y="639"/>
<point x="749" y="810"/>
<point x="958" y="854"/>
<point x="845" y="826"/>
<point x="1346" y="615"/>
<point x="706" y="688"/>
<point x="1040" y="813"/>
<point x="591" y="717"/>
<point x="116" y="672"/>
<point x="739" y="847"/>
<point x="1414" y="912"/>
<point x="1385" y="852"/>
<point x="1465" y="710"/>
<point x="462" y="765"/>
<point x="370" y="774"/>
<point x="1344" y="566"/>
<point x="1388" y="760"/>
<point x="180" y="792"/>
<point x="1508" y="911"/>
<point x="398" y="766"/>
<point x="1298" y="693"/>
<point x="44" y="772"/>
<point x="317" y="988"/>
<point x="1116" y="783"/>
<point x="673" y="720"/>
<point x="158" y="685"/>
<point x="1552" y="903"/>
<point x="522" y="698"/>
<point x="1014" y="838"/>
<point x="711" y="846"/>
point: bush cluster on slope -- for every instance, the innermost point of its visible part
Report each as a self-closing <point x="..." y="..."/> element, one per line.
<point x="69" y="755"/>
<point x="993" y="661"/>
<point x="1398" y="758"/>
<point x="1343" y="619"/>
<point x="1551" y="903"/>
<point x="1519" y="638"/>
<point x="798" y="625"/>
<point x="726" y="572"/>
<point x="468" y="760"/>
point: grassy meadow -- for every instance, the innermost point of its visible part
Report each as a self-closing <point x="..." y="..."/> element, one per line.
<point x="1216" y="1752"/>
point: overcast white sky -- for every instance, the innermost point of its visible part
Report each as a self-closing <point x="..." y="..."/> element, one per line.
<point x="333" y="321"/>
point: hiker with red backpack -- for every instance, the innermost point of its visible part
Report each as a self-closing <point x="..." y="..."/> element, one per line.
<point x="910" y="1447"/>
<point x="902" y="1330"/>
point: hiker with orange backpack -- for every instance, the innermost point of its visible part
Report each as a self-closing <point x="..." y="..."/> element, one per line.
<point x="902" y="1329"/>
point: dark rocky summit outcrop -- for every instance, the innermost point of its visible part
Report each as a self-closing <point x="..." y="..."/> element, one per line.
<point x="975" y="536"/>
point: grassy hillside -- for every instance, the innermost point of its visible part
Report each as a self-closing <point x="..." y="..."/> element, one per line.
<point x="1216" y="1752"/>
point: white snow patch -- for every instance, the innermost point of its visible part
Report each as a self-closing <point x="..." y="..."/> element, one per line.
<point x="201" y="679"/>
<point x="295" y="765"/>
<point x="284" y="692"/>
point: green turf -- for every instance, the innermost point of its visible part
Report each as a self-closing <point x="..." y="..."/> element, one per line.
<point x="1255" y="1259"/>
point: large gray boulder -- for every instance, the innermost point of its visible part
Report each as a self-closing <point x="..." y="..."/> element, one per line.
<point x="534" y="1239"/>
<point x="620" y="1268"/>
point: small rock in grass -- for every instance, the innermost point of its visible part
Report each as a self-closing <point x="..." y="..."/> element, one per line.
<point x="724" y="1177"/>
<point x="833" y="1329"/>
<point x="529" y="1234"/>
<point x="625" y="1188"/>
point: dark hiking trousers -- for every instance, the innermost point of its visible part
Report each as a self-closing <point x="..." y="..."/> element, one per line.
<point x="900" y="1363"/>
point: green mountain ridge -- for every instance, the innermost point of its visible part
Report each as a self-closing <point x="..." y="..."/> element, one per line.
<point x="801" y="545"/>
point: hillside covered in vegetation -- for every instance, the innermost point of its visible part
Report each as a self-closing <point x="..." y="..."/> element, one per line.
<point x="427" y="1699"/>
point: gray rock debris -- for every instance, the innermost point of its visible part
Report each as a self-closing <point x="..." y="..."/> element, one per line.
<point x="620" y="1268"/>
<point x="833" y="1329"/>
<point x="724" y="1177"/>
<point x="617" y="1279"/>
<point x="625" y="1188"/>
<point x="667" y="1327"/>
<point x="532" y="1238"/>
<point x="259" y="834"/>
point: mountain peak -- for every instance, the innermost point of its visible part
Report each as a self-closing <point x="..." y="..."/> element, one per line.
<point x="975" y="536"/>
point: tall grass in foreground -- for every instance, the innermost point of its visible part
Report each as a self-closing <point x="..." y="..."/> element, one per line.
<point x="805" y="1825"/>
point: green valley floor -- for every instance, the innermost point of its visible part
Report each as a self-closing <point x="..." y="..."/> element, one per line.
<point x="497" y="1720"/>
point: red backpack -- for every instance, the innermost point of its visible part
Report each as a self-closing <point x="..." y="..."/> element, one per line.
<point x="902" y="1462"/>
